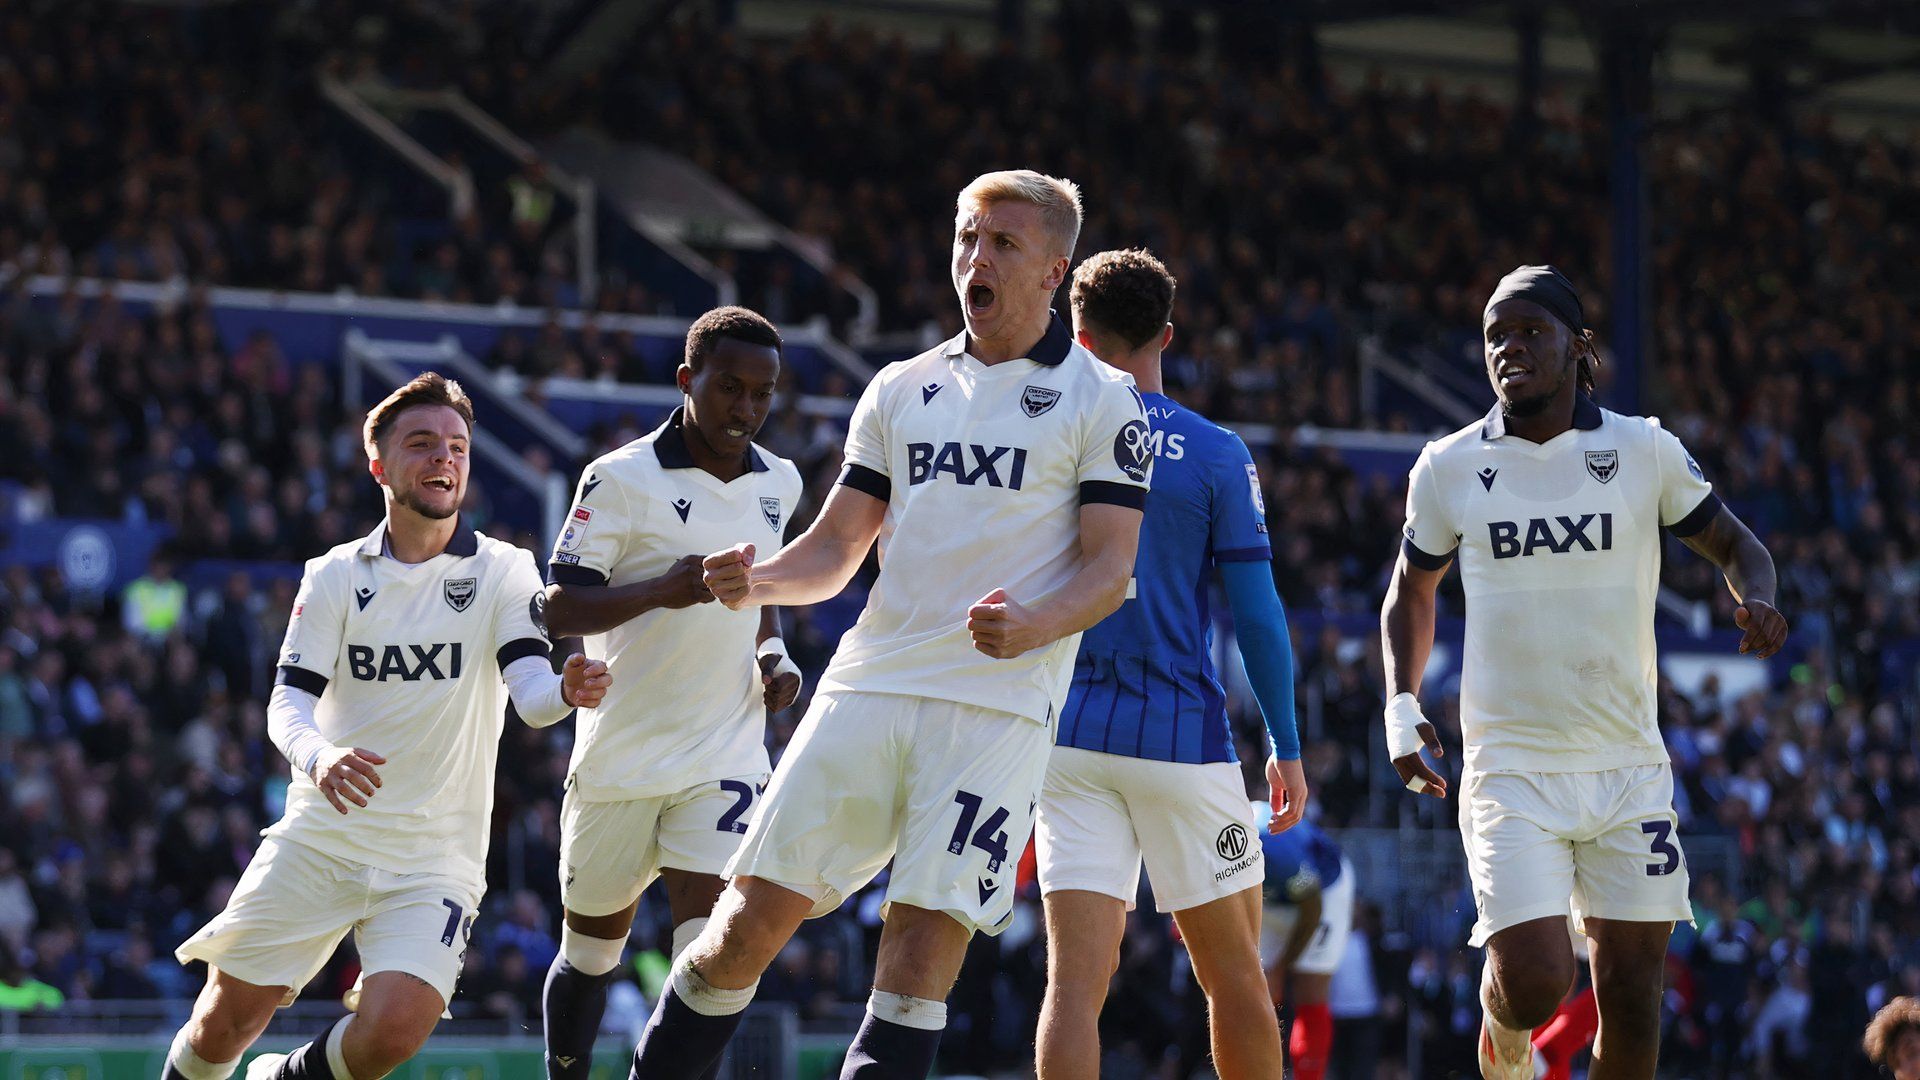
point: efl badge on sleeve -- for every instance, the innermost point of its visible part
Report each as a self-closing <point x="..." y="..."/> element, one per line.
<point x="1603" y="464"/>
<point x="459" y="593"/>
<point x="1035" y="400"/>
<point x="770" y="509"/>
<point x="576" y="531"/>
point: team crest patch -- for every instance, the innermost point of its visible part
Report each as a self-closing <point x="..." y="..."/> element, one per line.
<point x="1132" y="449"/>
<point x="770" y="509"/>
<point x="1694" y="468"/>
<point x="576" y="531"/>
<point x="1035" y="400"/>
<point x="1603" y="464"/>
<point x="537" y="611"/>
<point x="459" y="593"/>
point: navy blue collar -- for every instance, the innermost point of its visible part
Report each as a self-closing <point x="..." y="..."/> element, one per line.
<point x="1050" y="351"/>
<point x="1586" y="417"/>
<point x="464" y="543"/>
<point x="670" y="445"/>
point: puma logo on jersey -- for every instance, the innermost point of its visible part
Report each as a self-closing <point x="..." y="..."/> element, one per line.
<point x="969" y="464"/>
<point x="1557" y="535"/>
<point x="395" y="662"/>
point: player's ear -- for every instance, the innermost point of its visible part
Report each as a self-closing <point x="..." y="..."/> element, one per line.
<point x="378" y="470"/>
<point x="1085" y="339"/>
<point x="683" y="378"/>
<point x="1166" y="337"/>
<point x="1058" y="274"/>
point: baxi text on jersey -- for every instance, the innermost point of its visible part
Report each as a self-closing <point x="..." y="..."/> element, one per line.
<point x="968" y="463"/>
<point x="407" y="663"/>
<point x="1556" y="536"/>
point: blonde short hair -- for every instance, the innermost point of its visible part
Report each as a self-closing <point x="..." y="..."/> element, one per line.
<point x="427" y="388"/>
<point x="1058" y="199"/>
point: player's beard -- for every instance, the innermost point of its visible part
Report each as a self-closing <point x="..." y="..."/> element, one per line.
<point x="412" y="501"/>
<point x="1533" y="404"/>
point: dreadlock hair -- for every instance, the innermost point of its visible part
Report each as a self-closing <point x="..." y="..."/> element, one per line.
<point x="1589" y="363"/>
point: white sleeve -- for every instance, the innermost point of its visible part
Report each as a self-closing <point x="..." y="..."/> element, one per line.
<point x="291" y="726"/>
<point x="536" y="691"/>
<point x="1687" y="501"/>
<point x="1430" y="533"/>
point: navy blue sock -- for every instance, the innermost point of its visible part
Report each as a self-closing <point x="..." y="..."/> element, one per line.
<point x="310" y="1061"/>
<point x="575" y="1001"/>
<point x="171" y="1073"/>
<point x="884" y="1050"/>
<point x="680" y="1043"/>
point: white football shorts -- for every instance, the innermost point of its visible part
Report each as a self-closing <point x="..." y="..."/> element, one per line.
<point x="1605" y="841"/>
<point x="944" y="790"/>
<point x="1102" y="814"/>
<point x="1329" y="941"/>
<point x="294" y="903"/>
<point x="611" y="851"/>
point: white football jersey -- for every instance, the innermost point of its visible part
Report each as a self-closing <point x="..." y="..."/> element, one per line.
<point x="984" y="469"/>
<point x="685" y="707"/>
<point x="1559" y="547"/>
<point x="406" y="662"/>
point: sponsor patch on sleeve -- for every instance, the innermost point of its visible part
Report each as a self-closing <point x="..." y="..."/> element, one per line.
<point x="575" y="533"/>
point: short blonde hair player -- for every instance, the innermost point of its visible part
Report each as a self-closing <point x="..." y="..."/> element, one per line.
<point x="1002" y="473"/>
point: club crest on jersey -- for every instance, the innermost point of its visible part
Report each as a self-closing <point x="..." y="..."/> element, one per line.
<point x="770" y="509"/>
<point x="1603" y="464"/>
<point x="459" y="593"/>
<point x="1132" y="449"/>
<point x="537" y="611"/>
<point x="1035" y="400"/>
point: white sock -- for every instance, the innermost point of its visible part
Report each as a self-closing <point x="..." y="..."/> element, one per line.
<point x="707" y="999"/>
<point x="684" y="934"/>
<point x="337" y="1050"/>
<point x="590" y="955"/>
<point x="193" y="1066"/>
<point x="913" y="1012"/>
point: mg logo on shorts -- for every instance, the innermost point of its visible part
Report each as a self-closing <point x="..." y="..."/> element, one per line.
<point x="1231" y="844"/>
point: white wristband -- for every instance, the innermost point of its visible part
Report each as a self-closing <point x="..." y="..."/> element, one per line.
<point x="774" y="646"/>
<point x="1403" y="720"/>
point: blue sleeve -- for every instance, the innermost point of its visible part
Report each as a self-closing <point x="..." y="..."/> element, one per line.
<point x="1260" y="624"/>
<point x="1239" y="511"/>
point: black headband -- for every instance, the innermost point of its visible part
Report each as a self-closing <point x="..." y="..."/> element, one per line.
<point x="1547" y="287"/>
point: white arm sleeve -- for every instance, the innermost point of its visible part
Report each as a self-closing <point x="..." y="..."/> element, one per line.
<point x="535" y="690"/>
<point x="291" y="726"/>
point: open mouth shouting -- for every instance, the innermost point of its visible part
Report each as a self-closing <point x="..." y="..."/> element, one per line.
<point x="980" y="299"/>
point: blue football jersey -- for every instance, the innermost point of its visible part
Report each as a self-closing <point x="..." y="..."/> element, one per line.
<point x="1144" y="685"/>
<point x="1296" y="860"/>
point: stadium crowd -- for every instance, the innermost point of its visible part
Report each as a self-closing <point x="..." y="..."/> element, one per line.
<point x="1299" y="216"/>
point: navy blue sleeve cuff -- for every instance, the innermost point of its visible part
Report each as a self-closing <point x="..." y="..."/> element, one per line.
<point x="871" y="481"/>
<point x="1700" y="517"/>
<point x="301" y="679"/>
<point x="520" y="649"/>
<point x="1108" y="493"/>
<point x="1245" y="554"/>
<point x="563" y="574"/>
<point x="1423" y="560"/>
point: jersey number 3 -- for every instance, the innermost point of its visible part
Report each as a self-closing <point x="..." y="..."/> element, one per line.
<point x="1662" y="833"/>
